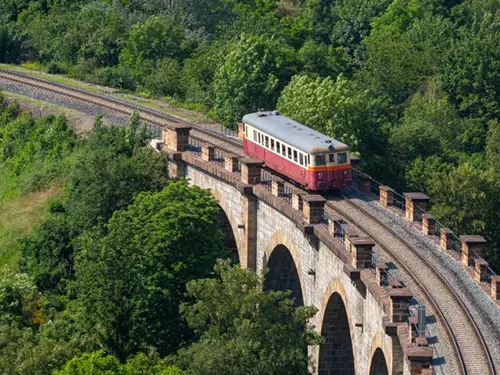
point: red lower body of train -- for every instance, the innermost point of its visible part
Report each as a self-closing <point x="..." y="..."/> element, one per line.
<point x="313" y="178"/>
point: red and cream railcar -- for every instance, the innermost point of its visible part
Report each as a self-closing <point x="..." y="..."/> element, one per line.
<point x="296" y="151"/>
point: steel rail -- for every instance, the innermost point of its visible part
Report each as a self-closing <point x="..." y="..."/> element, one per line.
<point x="423" y="287"/>
<point x="113" y="104"/>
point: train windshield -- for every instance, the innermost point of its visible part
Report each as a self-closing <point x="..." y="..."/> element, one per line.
<point x="319" y="160"/>
<point x="342" y="158"/>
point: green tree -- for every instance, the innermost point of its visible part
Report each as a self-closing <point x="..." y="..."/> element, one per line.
<point x="493" y="145"/>
<point x="351" y="25"/>
<point x="98" y="363"/>
<point x="319" y="15"/>
<point x="158" y="243"/>
<point x="113" y="166"/>
<point x="47" y="254"/>
<point x="472" y="74"/>
<point x="403" y="53"/>
<point x="165" y="79"/>
<point x="150" y="42"/>
<point x="321" y="59"/>
<point x="460" y="198"/>
<point x="90" y="34"/>
<point x="17" y="292"/>
<point x="251" y="77"/>
<point x="243" y="329"/>
<point x="198" y="72"/>
<point x="432" y="127"/>
<point x="323" y="104"/>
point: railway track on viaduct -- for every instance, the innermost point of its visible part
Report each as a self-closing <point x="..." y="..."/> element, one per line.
<point x="457" y="318"/>
<point x="459" y="329"/>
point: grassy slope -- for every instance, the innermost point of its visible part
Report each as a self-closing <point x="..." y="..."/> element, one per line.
<point x="20" y="215"/>
<point x="17" y="218"/>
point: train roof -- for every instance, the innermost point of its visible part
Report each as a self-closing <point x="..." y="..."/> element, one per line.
<point x="293" y="133"/>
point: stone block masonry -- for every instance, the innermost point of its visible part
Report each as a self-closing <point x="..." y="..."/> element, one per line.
<point x="264" y="223"/>
<point x="416" y="204"/>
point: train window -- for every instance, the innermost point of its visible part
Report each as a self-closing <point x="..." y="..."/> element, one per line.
<point x="283" y="150"/>
<point x="319" y="159"/>
<point x="342" y="158"/>
<point x="259" y="136"/>
<point x="331" y="158"/>
<point x="289" y="153"/>
<point x="301" y="159"/>
<point x="277" y="147"/>
<point x="294" y="155"/>
<point x="267" y="141"/>
<point x="272" y="144"/>
<point x="255" y="136"/>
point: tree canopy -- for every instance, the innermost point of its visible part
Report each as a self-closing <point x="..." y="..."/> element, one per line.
<point x="243" y="329"/>
<point x="158" y="244"/>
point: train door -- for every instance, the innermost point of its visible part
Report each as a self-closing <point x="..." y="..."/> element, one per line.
<point x="341" y="170"/>
<point x="332" y="178"/>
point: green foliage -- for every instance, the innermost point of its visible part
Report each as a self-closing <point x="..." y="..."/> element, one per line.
<point x="493" y="145"/>
<point x="319" y="15"/>
<point x="243" y="329"/>
<point x="31" y="151"/>
<point x="431" y="126"/>
<point x="461" y="197"/>
<point x="158" y="243"/>
<point x="47" y="254"/>
<point x="98" y="363"/>
<point x="151" y="42"/>
<point x="92" y="34"/>
<point x="402" y="55"/>
<point x="352" y="19"/>
<point x="321" y="59"/>
<point x="472" y="73"/>
<point x="323" y="104"/>
<point x="198" y="73"/>
<point x="16" y="293"/>
<point x="251" y="77"/>
<point x="165" y="80"/>
<point x="110" y="170"/>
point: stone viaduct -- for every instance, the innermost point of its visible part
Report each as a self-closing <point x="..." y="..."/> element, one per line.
<point x="365" y="324"/>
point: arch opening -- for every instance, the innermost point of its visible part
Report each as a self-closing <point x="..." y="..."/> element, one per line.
<point x="283" y="274"/>
<point x="229" y="237"/>
<point x="336" y="354"/>
<point x="379" y="365"/>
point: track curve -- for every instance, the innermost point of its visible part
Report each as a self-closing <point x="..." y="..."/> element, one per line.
<point x="459" y="329"/>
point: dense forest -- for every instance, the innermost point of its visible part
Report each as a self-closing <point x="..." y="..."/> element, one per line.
<point x="412" y="86"/>
<point x="121" y="275"/>
<point x="124" y="274"/>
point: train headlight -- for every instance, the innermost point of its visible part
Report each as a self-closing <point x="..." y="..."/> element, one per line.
<point x="345" y="172"/>
<point x="320" y="175"/>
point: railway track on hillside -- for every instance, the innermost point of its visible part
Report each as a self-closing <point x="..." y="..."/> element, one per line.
<point x="461" y="332"/>
<point x="468" y="352"/>
<point x="124" y="108"/>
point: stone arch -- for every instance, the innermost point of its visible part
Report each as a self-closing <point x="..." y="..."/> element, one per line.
<point x="229" y="226"/>
<point x="381" y="350"/>
<point x="378" y="364"/>
<point x="285" y="271"/>
<point x="336" y="354"/>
